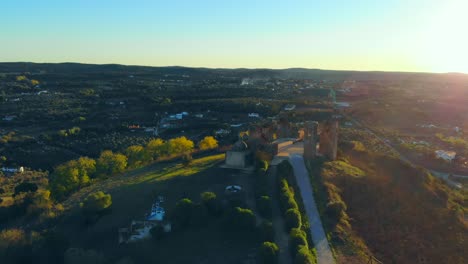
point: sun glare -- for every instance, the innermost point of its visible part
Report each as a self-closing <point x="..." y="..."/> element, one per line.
<point x="444" y="45"/>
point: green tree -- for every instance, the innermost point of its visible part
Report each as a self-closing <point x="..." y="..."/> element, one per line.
<point x="96" y="202"/>
<point x="109" y="164"/>
<point x="211" y="202"/>
<point x="71" y="176"/>
<point x="242" y="218"/>
<point x="136" y="156"/>
<point x="268" y="253"/>
<point x="156" y="148"/>
<point x="208" y="142"/>
<point x="180" y="145"/>
<point x="64" y="180"/>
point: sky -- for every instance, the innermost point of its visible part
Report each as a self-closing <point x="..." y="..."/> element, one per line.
<point x="393" y="35"/>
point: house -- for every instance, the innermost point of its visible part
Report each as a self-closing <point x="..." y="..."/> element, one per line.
<point x="289" y="107"/>
<point x="140" y="230"/>
<point x="9" y="118"/>
<point x="445" y="155"/>
<point x="221" y="132"/>
<point x="342" y="104"/>
<point x="13" y="170"/>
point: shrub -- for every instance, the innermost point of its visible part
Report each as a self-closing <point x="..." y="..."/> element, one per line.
<point x="268" y="253"/>
<point x="96" y="202"/>
<point x="304" y="256"/>
<point x="297" y="238"/>
<point x="211" y="202"/>
<point x="183" y="212"/>
<point x="266" y="231"/>
<point x="242" y="219"/>
<point x="262" y="166"/>
<point x="293" y="218"/>
<point x="264" y="206"/>
<point x="287" y="200"/>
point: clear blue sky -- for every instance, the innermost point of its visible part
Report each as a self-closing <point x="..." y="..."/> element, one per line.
<point x="411" y="35"/>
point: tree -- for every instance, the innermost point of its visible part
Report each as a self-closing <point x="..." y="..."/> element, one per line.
<point x="71" y="176"/>
<point x="96" y="202"/>
<point x="180" y="145"/>
<point x="40" y="204"/>
<point x="208" y="142"/>
<point x="64" y="180"/>
<point x="293" y="218"/>
<point x="242" y="218"/>
<point x="268" y="253"/>
<point x="183" y="212"/>
<point x="34" y="82"/>
<point x="86" y="169"/>
<point x="136" y="156"/>
<point x="156" y="148"/>
<point x="211" y="202"/>
<point x="109" y="163"/>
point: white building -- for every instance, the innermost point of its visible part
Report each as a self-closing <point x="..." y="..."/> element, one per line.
<point x="255" y="115"/>
<point x="289" y="107"/>
<point x="445" y="155"/>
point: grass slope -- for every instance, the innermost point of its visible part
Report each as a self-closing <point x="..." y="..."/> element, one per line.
<point x="132" y="195"/>
<point x="402" y="213"/>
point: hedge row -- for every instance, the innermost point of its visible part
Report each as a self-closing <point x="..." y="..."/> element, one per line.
<point x="298" y="243"/>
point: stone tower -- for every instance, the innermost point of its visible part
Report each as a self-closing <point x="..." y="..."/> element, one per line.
<point x="310" y="140"/>
<point x="329" y="139"/>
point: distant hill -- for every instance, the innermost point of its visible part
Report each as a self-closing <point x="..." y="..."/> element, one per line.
<point x="293" y="73"/>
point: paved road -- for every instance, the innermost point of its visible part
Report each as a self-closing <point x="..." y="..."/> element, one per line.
<point x="324" y="254"/>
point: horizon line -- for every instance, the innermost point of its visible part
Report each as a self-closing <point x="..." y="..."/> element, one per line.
<point x="234" y="68"/>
